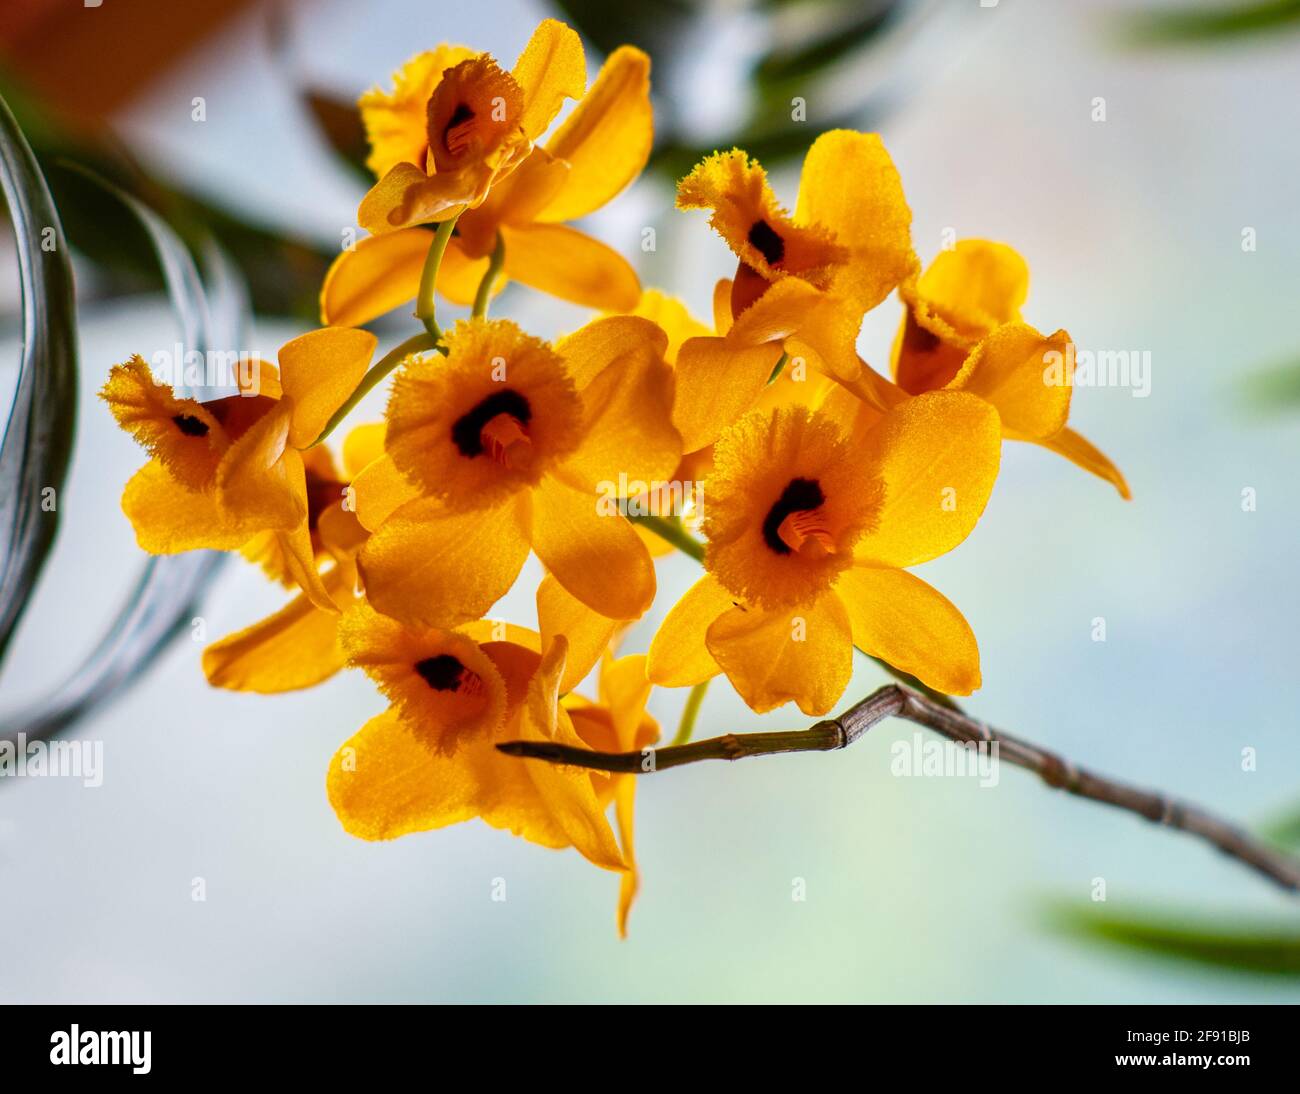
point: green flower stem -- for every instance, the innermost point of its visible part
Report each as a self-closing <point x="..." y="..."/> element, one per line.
<point x="484" y="294"/>
<point x="690" y="712"/>
<point x="381" y="368"/>
<point x="781" y="362"/>
<point x="672" y="532"/>
<point x="424" y="300"/>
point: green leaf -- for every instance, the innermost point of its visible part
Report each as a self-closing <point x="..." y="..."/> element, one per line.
<point x="1261" y="948"/>
<point x="1277" y="388"/>
<point x="1190" y="25"/>
<point x="37" y="443"/>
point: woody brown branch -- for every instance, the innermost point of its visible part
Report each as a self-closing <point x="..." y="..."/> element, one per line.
<point x="894" y="700"/>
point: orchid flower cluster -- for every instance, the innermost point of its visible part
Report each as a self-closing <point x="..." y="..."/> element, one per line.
<point x="823" y="481"/>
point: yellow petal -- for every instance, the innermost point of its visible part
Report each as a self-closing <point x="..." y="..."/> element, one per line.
<point x="297" y="647"/>
<point x="377" y="275"/>
<point x="261" y="484"/>
<point x="967" y="292"/>
<point x="299" y="556"/>
<point x="597" y="558"/>
<point x="406" y="196"/>
<point x="772" y="657"/>
<point x="1025" y="375"/>
<point x="783" y="310"/>
<point x="550" y="69"/>
<point x="912" y="626"/>
<point x="565" y="263"/>
<point x="361" y="447"/>
<point x="722" y="317"/>
<point x="592" y="348"/>
<point x="672" y="317"/>
<point x="630" y="883"/>
<point x="850" y="186"/>
<point x="679" y="656"/>
<point x="624" y="692"/>
<point x="628" y="436"/>
<point x="589" y="633"/>
<point x="938" y="455"/>
<point x="386" y="781"/>
<point x="607" y="138"/>
<point x="923" y="361"/>
<point x="1079" y="450"/>
<point x="429" y="567"/>
<point x="379" y="491"/>
<point x="567" y="792"/>
<point x="169" y="519"/>
<point x="518" y="199"/>
<point x="459" y="275"/>
<point x="319" y="371"/>
<point x="716" y="383"/>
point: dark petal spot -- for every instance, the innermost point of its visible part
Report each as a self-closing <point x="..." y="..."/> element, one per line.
<point x="442" y="673"/>
<point x="322" y="492"/>
<point x="765" y="240"/>
<point x="190" y="425"/>
<point x="800" y="494"/>
<point x="466" y="434"/>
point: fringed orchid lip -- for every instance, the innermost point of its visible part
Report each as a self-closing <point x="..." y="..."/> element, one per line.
<point x="497" y="428"/>
<point x="797" y="523"/>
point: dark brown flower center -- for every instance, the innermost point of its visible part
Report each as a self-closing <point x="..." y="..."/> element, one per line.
<point x="190" y="425"/>
<point x="322" y="492"/>
<point x="764" y="239"/>
<point x="467" y="433"/>
<point x="800" y="495"/>
<point x="442" y="673"/>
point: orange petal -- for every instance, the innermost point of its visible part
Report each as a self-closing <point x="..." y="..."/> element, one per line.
<point x="912" y="626"/>
<point x="566" y="263"/>
<point x="606" y="140"/>
<point x="679" y="656"/>
<point x="169" y="519"/>
<point x="938" y="455"/>
<point x="297" y="647"/>
<point x="589" y="633"/>
<point x="716" y="383"/>
<point x="260" y="483"/>
<point x="1025" y="375"/>
<point x="598" y="558"/>
<point x="379" y="491"/>
<point x="551" y="68"/>
<point x="318" y="372"/>
<point x="377" y="275"/>
<point x="1079" y="450"/>
<point x="773" y="657"/>
<point x="428" y="567"/>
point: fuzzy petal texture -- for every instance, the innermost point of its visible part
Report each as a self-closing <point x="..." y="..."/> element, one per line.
<point x="1024" y="374"/>
<point x="429" y="567"/>
<point x="900" y="619"/>
<point x="566" y="263"/>
<point x="606" y="140"/>
<point x="598" y="558"/>
<point x="318" y="372"/>
<point x="938" y="455"/>
<point x="773" y="657"/>
<point x="679" y="655"/>
<point x="968" y="292"/>
<point x="380" y="490"/>
<point x="379" y="274"/>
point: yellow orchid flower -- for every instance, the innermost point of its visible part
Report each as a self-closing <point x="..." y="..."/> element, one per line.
<point x="594" y="154"/>
<point x="298" y="646"/>
<point x="506" y="445"/>
<point x="812" y="517"/>
<point x="803" y="281"/>
<point x="618" y="722"/>
<point x="232" y="470"/>
<point x="962" y="330"/>
<point x="430" y="760"/>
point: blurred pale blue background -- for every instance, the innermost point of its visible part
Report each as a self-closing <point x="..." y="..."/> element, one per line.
<point x="917" y="889"/>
